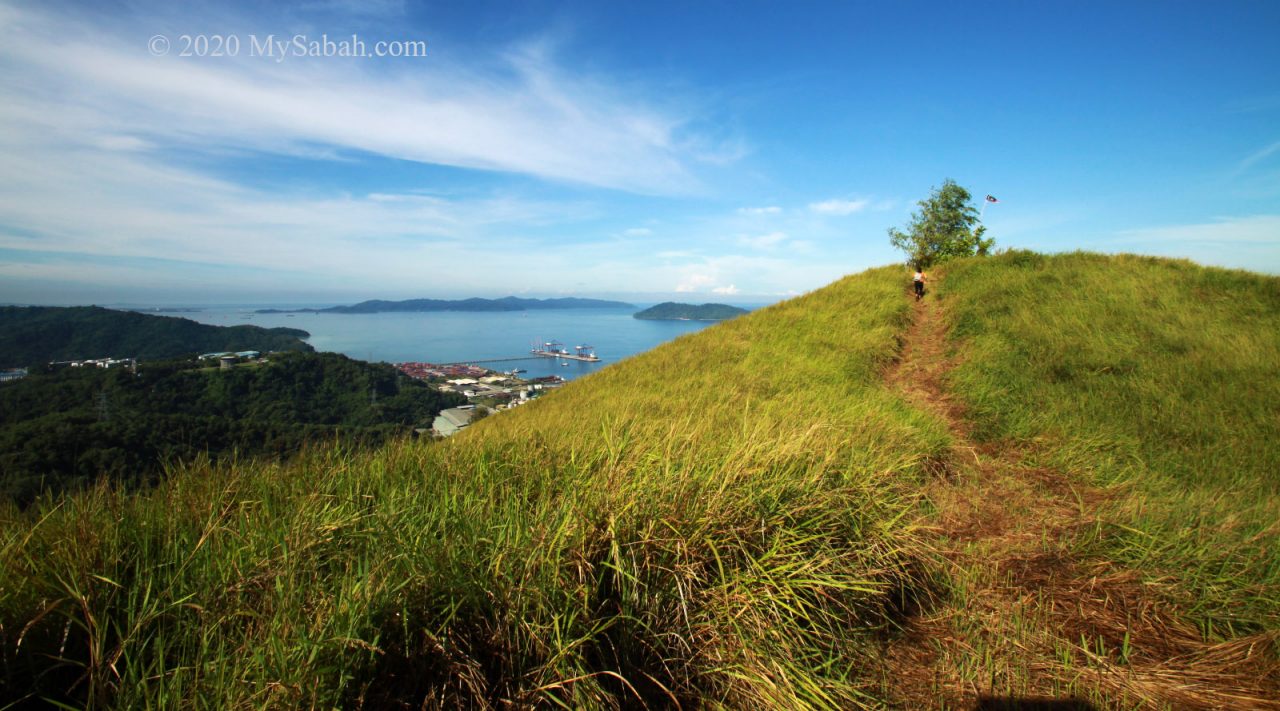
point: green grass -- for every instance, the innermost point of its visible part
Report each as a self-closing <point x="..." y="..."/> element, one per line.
<point x="721" y="521"/>
<point x="1155" y="375"/>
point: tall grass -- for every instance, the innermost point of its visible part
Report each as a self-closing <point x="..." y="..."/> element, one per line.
<point x="719" y="522"/>
<point x="1157" y="375"/>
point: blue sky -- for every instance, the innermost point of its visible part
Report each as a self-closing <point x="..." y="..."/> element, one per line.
<point x="740" y="151"/>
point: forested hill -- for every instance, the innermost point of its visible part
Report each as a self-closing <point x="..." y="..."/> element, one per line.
<point x="34" y="335"/>
<point x="61" y="428"/>
<point x="671" y="310"/>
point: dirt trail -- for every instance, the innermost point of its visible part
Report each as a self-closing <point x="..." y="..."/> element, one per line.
<point x="1031" y="617"/>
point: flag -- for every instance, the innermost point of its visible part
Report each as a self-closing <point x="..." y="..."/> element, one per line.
<point x="991" y="199"/>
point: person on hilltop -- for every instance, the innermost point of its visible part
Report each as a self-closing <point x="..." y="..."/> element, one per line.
<point x="918" y="280"/>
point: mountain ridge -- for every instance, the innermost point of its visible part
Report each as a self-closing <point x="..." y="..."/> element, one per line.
<point x="34" y="335"/>
<point x="472" y="304"/>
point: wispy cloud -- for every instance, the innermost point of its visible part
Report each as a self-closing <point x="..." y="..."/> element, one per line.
<point x="522" y="112"/>
<point x="766" y="274"/>
<point x="695" y="281"/>
<point x="839" y="207"/>
<point x="1255" y="229"/>
<point x="111" y="154"/>
<point x="75" y="199"/>
<point x="760" y="211"/>
<point x="771" y="240"/>
<point x="242" y="173"/>
<point x="1258" y="156"/>
<point x="1251" y="242"/>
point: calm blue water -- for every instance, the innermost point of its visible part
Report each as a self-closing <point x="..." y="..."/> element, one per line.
<point x="446" y="337"/>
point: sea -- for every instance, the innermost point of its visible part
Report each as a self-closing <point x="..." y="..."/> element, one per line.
<point x="468" y="337"/>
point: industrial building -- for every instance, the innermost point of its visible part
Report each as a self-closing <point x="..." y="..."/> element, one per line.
<point x="453" y="420"/>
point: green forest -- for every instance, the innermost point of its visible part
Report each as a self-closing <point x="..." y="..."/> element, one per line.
<point x="66" y="428"/>
<point x="35" y="335"/>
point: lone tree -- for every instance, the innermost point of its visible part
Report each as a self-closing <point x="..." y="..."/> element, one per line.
<point x="943" y="228"/>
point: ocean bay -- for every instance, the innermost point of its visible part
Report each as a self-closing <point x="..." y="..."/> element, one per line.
<point x="451" y="336"/>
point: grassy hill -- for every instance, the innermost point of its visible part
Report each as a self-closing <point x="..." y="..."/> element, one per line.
<point x="1158" y="377"/>
<point x="751" y="516"/>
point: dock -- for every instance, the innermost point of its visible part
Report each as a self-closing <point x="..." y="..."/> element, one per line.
<point x="571" y="356"/>
<point x="534" y="355"/>
<point x="556" y="349"/>
<point x="550" y="349"/>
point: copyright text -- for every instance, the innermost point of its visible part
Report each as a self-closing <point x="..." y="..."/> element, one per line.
<point x="281" y="48"/>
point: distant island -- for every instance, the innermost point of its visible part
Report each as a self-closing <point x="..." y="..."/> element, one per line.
<point x="509" y="303"/>
<point x="672" y="311"/>
<point x="35" y="335"/>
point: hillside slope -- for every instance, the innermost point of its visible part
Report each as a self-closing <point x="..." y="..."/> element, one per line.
<point x="1155" y="375"/>
<point x="1027" y="488"/>
<point x="717" y="521"/>
<point x="1060" y="591"/>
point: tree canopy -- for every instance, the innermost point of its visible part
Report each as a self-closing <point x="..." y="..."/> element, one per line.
<point x="946" y="226"/>
<point x="34" y="335"/>
<point x="704" y="312"/>
<point x="60" y="429"/>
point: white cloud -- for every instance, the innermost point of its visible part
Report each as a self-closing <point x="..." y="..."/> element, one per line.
<point x="77" y="200"/>
<point x="766" y="241"/>
<point x="1258" y="229"/>
<point x="695" y="282"/>
<point x="106" y="155"/>
<point x="735" y="274"/>
<point x="838" y="207"/>
<point x="521" y="113"/>
<point x="720" y="153"/>
<point x="1258" y="156"/>
<point x="1251" y="242"/>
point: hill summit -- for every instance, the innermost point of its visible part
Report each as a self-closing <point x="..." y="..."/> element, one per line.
<point x="844" y="500"/>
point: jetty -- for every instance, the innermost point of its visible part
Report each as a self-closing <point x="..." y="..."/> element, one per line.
<point x="549" y="349"/>
<point x="555" y="349"/>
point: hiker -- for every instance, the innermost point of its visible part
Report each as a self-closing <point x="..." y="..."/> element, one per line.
<point x="918" y="280"/>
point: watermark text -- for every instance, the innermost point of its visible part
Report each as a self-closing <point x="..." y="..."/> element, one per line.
<point x="279" y="48"/>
